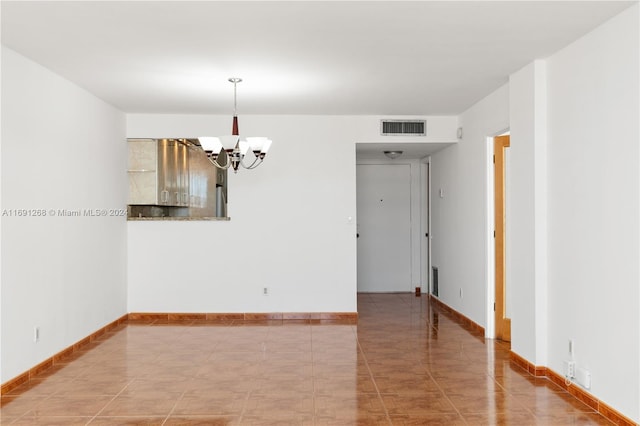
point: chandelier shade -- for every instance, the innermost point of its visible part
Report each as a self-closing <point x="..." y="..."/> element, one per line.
<point x="210" y="144"/>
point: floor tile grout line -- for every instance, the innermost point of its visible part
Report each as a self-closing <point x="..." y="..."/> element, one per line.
<point x="444" y="394"/>
<point x="48" y="397"/>
<point x="564" y="392"/>
<point x="110" y="401"/>
<point x="430" y="325"/>
<point x="516" y="398"/>
<point x="313" y="377"/>
<point x="175" y="404"/>
<point x="366" y="362"/>
<point x="31" y="409"/>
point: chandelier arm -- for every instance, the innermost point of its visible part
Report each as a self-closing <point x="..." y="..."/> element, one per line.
<point x="256" y="162"/>
<point x="218" y="165"/>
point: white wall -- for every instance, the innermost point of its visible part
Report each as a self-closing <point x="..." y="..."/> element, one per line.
<point x="289" y="227"/>
<point x="62" y="148"/>
<point x="459" y="219"/>
<point x="527" y="215"/>
<point x="594" y="209"/>
<point x="575" y="209"/>
<point x="1" y="206"/>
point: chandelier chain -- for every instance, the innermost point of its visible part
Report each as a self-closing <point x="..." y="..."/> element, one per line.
<point x="235" y="81"/>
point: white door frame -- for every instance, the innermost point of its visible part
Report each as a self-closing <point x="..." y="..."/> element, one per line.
<point x="425" y="215"/>
<point x="421" y="223"/>
<point x="490" y="329"/>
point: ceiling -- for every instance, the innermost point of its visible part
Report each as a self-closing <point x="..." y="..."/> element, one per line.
<point x="296" y="57"/>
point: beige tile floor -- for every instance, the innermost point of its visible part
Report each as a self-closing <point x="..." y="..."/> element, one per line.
<point x="405" y="363"/>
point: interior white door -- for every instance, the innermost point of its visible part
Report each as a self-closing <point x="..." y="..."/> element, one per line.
<point x="384" y="227"/>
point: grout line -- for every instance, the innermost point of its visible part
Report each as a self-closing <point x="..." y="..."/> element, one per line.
<point x="313" y="377"/>
<point x="244" y="406"/>
<point x="447" y="398"/>
<point x="366" y="362"/>
<point x="174" y="406"/>
<point x="110" y="401"/>
<point x="429" y="310"/>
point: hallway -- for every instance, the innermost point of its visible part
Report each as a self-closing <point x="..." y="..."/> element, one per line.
<point x="404" y="363"/>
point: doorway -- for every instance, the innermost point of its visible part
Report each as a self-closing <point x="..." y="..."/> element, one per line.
<point x="384" y="227"/>
<point x="502" y="322"/>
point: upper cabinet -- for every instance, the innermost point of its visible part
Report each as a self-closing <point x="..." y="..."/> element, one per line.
<point x="173" y="178"/>
<point x="143" y="172"/>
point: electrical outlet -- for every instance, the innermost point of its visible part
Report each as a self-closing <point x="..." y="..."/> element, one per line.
<point x="36" y="334"/>
<point x="570" y="369"/>
<point x="265" y="291"/>
<point x="461" y="294"/>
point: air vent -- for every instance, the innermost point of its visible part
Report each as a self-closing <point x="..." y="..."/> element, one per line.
<point x="404" y="127"/>
<point x="434" y="284"/>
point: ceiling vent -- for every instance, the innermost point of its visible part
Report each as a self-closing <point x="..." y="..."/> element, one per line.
<point x="403" y="127"/>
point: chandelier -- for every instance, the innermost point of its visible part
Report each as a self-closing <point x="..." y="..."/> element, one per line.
<point x="232" y="147"/>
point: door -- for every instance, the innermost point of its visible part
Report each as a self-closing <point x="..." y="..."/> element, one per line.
<point x="503" y="324"/>
<point x="384" y="227"/>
